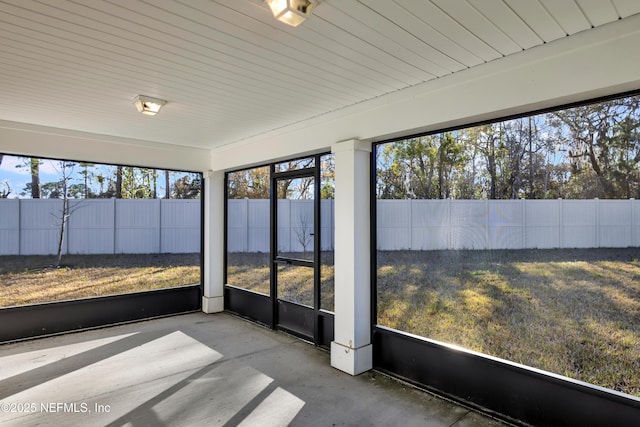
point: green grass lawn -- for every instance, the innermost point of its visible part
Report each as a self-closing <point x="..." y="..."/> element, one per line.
<point x="571" y="312"/>
<point x="33" y="279"/>
<point x="251" y="271"/>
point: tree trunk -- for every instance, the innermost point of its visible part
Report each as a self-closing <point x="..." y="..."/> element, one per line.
<point x="532" y="190"/>
<point x="64" y="215"/>
<point x="63" y="226"/>
<point x="155" y="184"/>
<point x="119" y="182"/>
<point x="441" y="159"/>
<point x="35" y="178"/>
<point x="86" y="181"/>
<point x="492" y="170"/>
<point x="167" y="193"/>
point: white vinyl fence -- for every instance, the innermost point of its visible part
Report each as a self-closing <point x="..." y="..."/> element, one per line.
<point x="107" y="226"/>
<point x="452" y="224"/>
<point x="248" y="224"/>
<point x="100" y="226"/>
<point x="507" y="224"/>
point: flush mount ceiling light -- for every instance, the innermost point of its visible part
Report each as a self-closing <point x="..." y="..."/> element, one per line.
<point x="291" y="12"/>
<point x="148" y="105"/>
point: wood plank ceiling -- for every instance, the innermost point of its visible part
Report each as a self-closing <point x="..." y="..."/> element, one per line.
<point x="230" y="71"/>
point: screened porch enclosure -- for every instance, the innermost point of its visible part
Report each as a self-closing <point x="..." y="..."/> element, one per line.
<point x="443" y="191"/>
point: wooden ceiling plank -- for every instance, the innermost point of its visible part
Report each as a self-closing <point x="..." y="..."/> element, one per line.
<point x="224" y="56"/>
<point x="93" y="69"/>
<point x="450" y="28"/>
<point x="147" y="58"/>
<point x="335" y="39"/>
<point x="377" y="57"/>
<point x="296" y="54"/>
<point x="424" y="32"/>
<point x="84" y="83"/>
<point x="316" y="51"/>
<point x="598" y="12"/>
<point x="374" y="14"/>
<point x="627" y="7"/>
<point x="505" y="19"/>
<point x="349" y="24"/>
<point x="80" y="58"/>
<point x="567" y="14"/>
<point x="478" y="25"/>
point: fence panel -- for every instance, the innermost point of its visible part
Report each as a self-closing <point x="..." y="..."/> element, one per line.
<point x="9" y="227"/>
<point x="137" y="226"/>
<point x="327" y="225"/>
<point x="32" y="227"/>
<point x="180" y="226"/>
<point x="635" y="223"/>
<point x="91" y="226"/>
<point x="430" y="224"/>
<point x="579" y="224"/>
<point x="258" y="224"/>
<point x="237" y="225"/>
<point x="542" y="224"/>
<point x="615" y="223"/>
<point x="394" y="224"/>
<point x="100" y="226"/>
<point x="284" y="225"/>
<point x="469" y="224"/>
<point x="507" y="224"/>
<point x="40" y="226"/>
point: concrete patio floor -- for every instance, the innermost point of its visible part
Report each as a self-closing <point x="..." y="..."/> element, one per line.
<point x="196" y="370"/>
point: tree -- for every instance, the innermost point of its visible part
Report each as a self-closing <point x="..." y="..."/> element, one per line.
<point x="187" y="187"/>
<point x="118" y="189"/>
<point x="32" y="164"/>
<point x="420" y="168"/>
<point x="65" y="169"/>
<point x="7" y="190"/>
<point x="304" y="233"/>
<point x="4" y="193"/>
<point x="251" y="183"/>
<point x="327" y="177"/>
<point x="602" y="137"/>
<point x="625" y="157"/>
<point x="167" y="184"/>
<point x="450" y="159"/>
<point x="35" y="178"/>
<point x="135" y="183"/>
<point x="580" y="152"/>
<point x="86" y="175"/>
<point x="102" y="180"/>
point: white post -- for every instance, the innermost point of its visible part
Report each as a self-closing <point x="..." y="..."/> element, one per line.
<point x="213" y="298"/>
<point x="351" y="350"/>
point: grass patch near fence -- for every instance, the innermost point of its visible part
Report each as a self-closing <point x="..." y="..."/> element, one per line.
<point x="34" y="279"/>
<point x="571" y="312"/>
<point x="251" y="271"/>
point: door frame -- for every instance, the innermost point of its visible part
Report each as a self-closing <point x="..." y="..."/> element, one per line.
<point x="267" y="309"/>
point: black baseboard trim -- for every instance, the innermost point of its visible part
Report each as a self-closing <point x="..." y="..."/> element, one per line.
<point x="37" y="320"/>
<point x="506" y="390"/>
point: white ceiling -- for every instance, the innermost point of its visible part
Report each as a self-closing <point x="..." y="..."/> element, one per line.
<point x="230" y="71"/>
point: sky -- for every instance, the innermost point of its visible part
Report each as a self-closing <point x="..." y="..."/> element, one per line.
<point x="18" y="177"/>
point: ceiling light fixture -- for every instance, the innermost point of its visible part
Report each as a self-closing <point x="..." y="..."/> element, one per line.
<point x="291" y="12"/>
<point x="148" y="105"/>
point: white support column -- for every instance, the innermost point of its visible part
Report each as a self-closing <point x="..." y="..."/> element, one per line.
<point x="351" y="351"/>
<point x="213" y="299"/>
